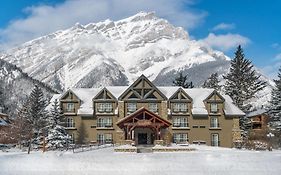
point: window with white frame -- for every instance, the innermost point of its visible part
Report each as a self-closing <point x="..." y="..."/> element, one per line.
<point x="104" y="138"/>
<point x="153" y="107"/>
<point x="131" y="107"/>
<point x="180" y="137"/>
<point x="179" y="107"/>
<point x="180" y="122"/>
<point x="70" y="107"/>
<point x="214" y="122"/>
<point x="104" y="122"/>
<point x="214" y="107"/>
<point x="105" y="107"/>
<point x="215" y="140"/>
<point x="70" y="123"/>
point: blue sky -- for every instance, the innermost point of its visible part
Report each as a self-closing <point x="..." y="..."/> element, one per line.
<point x="221" y="24"/>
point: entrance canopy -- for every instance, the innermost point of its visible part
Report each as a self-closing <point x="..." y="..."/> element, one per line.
<point x="143" y="118"/>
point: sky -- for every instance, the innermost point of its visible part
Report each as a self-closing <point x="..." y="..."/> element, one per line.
<point x="223" y="25"/>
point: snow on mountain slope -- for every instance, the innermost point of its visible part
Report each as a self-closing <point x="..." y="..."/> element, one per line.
<point x="16" y="86"/>
<point x="116" y="53"/>
<point x="141" y="44"/>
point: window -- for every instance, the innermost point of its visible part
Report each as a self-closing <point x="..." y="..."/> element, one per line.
<point x="214" y="122"/>
<point x="131" y="107"/>
<point x="199" y="142"/>
<point x="72" y="138"/>
<point x="202" y="126"/>
<point x="215" y="140"/>
<point x="180" y="138"/>
<point x="70" y="123"/>
<point x="70" y="107"/>
<point x="153" y="107"/>
<point x="105" y="107"/>
<point x="180" y="122"/>
<point x="104" y="122"/>
<point x="195" y="126"/>
<point x="104" y="138"/>
<point x="214" y="107"/>
<point x="180" y="107"/>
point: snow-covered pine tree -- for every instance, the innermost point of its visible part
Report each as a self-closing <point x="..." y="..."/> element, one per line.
<point x="242" y="83"/>
<point x="35" y="113"/>
<point x="57" y="136"/>
<point x="275" y="105"/>
<point x="182" y="81"/>
<point x="212" y="82"/>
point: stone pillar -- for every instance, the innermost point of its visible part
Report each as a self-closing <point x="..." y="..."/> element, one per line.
<point x="164" y="109"/>
<point x="121" y="109"/>
<point x="236" y="132"/>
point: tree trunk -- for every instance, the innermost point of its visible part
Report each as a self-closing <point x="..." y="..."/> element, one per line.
<point x="29" y="146"/>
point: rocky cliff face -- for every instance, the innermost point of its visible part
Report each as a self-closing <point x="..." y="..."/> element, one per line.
<point x="111" y="53"/>
<point x="116" y="53"/>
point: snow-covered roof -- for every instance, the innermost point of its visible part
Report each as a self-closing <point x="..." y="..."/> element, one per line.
<point x="198" y="96"/>
<point x="86" y="96"/>
<point x="257" y="112"/>
<point x="230" y="109"/>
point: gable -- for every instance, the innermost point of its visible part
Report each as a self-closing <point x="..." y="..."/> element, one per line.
<point x="143" y="115"/>
<point x="104" y="94"/>
<point x="142" y="89"/>
<point x="215" y="97"/>
<point x="69" y="95"/>
<point x="180" y="95"/>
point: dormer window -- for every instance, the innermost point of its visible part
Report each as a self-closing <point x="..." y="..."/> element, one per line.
<point x="214" y="107"/>
<point x="105" y="107"/>
<point x="70" y="107"/>
<point x="179" y="107"/>
<point x="131" y="107"/>
<point x="153" y="107"/>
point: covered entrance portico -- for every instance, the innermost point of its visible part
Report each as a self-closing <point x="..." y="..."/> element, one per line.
<point x="143" y="127"/>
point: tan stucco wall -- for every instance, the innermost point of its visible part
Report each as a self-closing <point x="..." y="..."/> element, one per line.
<point x="228" y="132"/>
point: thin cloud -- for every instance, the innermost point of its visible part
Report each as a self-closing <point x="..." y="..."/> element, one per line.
<point x="225" y="42"/>
<point x="224" y="26"/>
<point x="276" y="46"/>
<point x="272" y="70"/>
<point x="44" y="19"/>
<point x="277" y="57"/>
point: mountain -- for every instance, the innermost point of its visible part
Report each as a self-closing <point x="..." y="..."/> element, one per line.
<point x="15" y="86"/>
<point x="116" y="53"/>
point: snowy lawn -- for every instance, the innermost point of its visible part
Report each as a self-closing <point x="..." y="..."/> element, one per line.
<point x="205" y="160"/>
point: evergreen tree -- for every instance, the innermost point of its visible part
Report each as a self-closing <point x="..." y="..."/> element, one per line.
<point x="34" y="112"/>
<point x="57" y="135"/>
<point x="275" y="105"/>
<point x="3" y="97"/>
<point x="242" y="84"/>
<point x="212" y="82"/>
<point x="182" y="81"/>
<point x="82" y="134"/>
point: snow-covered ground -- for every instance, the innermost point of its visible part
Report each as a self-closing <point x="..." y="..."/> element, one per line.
<point x="205" y="160"/>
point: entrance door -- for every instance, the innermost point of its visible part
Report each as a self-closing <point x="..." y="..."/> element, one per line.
<point x="215" y="140"/>
<point x="142" y="138"/>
